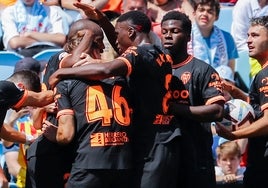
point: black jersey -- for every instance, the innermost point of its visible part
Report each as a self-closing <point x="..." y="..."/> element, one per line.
<point x="10" y="97"/>
<point x="199" y="84"/>
<point x="102" y="116"/>
<point x="42" y="146"/>
<point x="48" y="161"/>
<point x="149" y="74"/>
<point x="259" y="100"/>
<point x="52" y="66"/>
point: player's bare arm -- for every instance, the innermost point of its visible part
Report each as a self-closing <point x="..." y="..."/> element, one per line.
<point x="66" y="129"/>
<point x="39" y="99"/>
<point x="204" y="113"/>
<point x="257" y="128"/>
<point x="95" y="14"/>
<point x="10" y="134"/>
<point x="92" y="71"/>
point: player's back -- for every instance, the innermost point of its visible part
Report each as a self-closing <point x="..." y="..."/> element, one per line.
<point x="151" y="72"/>
<point x="103" y="117"/>
<point x="149" y="83"/>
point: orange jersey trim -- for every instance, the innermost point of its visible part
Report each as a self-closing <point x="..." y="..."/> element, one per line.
<point x="65" y="112"/>
<point x="215" y="99"/>
<point x="22" y="100"/>
<point x="263" y="107"/>
<point x="265" y="65"/>
<point x="186" y="61"/>
<point x="129" y="66"/>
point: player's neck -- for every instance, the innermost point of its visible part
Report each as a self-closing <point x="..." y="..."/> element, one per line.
<point x="181" y="59"/>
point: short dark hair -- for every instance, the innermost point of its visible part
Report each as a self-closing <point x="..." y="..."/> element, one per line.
<point x="212" y="3"/>
<point x="176" y="15"/>
<point x="262" y="20"/>
<point x="140" y="21"/>
<point x="29" y="78"/>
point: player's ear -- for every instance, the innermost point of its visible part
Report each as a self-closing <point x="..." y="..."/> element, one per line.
<point x="21" y="85"/>
<point x="131" y="32"/>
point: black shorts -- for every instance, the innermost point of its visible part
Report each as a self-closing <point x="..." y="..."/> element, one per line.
<point x="88" y="178"/>
<point x="255" y="178"/>
<point x="161" y="168"/>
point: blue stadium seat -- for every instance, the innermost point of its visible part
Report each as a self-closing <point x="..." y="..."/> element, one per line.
<point x="46" y="54"/>
<point x="8" y="59"/>
<point x="225" y="18"/>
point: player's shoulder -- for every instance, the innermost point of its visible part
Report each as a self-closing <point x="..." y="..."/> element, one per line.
<point x="201" y="66"/>
<point x="7" y="85"/>
<point x="144" y="50"/>
<point x="200" y="63"/>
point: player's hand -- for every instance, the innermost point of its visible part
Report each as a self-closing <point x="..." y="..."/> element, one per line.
<point x="17" y="114"/>
<point x="54" y="79"/>
<point x="222" y="131"/>
<point x="227" y="86"/>
<point x="49" y="131"/>
<point x="90" y="11"/>
<point x="51" y="108"/>
<point x="245" y="124"/>
<point x="87" y="59"/>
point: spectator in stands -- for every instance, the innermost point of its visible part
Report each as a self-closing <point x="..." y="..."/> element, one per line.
<point x="110" y="7"/>
<point x="243" y="11"/>
<point x="256" y="172"/>
<point x="228" y="169"/>
<point x="158" y="8"/>
<point x="30" y="27"/>
<point x="210" y="43"/>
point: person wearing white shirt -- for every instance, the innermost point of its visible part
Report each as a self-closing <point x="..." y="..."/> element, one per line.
<point x="30" y="27"/>
<point x="243" y="11"/>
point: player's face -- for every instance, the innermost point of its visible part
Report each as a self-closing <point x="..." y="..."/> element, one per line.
<point x="173" y="36"/>
<point x="258" y="42"/>
<point x="122" y="30"/>
<point x="205" y="16"/>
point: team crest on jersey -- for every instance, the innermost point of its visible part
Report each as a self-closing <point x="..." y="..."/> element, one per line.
<point x="264" y="88"/>
<point x="185" y="77"/>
